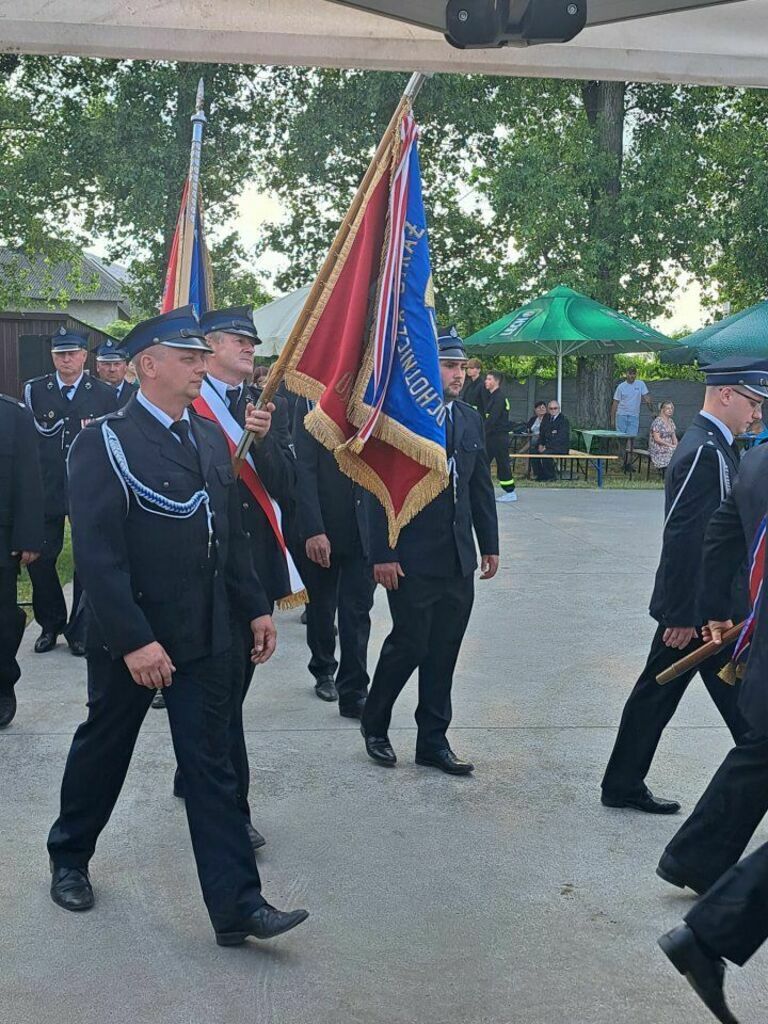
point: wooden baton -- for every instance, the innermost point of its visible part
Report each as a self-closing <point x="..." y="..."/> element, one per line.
<point x="701" y="654"/>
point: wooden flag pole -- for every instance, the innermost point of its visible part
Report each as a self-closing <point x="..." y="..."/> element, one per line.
<point x="277" y="372"/>
<point x="693" y="660"/>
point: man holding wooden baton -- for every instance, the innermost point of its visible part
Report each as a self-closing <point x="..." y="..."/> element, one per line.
<point x="734" y="803"/>
<point x="700" y="476"/>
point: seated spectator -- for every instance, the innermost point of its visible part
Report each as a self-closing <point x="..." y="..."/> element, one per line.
<point x="663" y="437"/>
<point x="473" y="392"/>
<point x="554" y="439"/>
<point x="533" y="426"/>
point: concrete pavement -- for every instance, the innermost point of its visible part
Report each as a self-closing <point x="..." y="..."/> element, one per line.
<point x="511" y="897"/>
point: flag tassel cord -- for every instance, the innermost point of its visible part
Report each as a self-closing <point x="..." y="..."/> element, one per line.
<point x="279" y="368"/>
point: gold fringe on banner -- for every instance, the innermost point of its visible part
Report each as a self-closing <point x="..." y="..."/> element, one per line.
<point x="731" y="673"/>
<point x="421" y="495"/>
<point x="292" y="600"/>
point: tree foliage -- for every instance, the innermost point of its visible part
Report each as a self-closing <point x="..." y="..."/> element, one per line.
<point x="105" y="145"/>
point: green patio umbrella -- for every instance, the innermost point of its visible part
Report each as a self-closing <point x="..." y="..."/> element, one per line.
<point x="742" y="334"/>
<point x="565" y="323"/>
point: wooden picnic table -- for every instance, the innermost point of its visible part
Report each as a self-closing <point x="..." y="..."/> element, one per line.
<point x="574" y="455"/>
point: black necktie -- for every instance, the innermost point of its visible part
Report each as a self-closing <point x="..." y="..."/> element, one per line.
<point x="449" y="432"/>
<point x="65" y="392"/>
<point x="233" y="397"/>
<point x="181" y="429"/>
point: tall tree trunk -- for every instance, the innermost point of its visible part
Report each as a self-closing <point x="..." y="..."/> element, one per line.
<point x="604" y="103"/>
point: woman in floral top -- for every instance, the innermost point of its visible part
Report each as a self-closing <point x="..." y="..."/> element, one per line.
<point x="663" y="439"/>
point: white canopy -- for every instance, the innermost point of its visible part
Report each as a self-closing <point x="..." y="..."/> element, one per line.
<point x="725" y="44"/>
<point x="275" y="320"/>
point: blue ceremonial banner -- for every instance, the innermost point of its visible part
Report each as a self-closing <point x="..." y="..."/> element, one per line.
<point x="367" y="354"/>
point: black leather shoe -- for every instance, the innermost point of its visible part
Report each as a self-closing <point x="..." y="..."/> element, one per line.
<point x="671" y="871"/>
<point x="379" y="749"/>
<point x="325" y="688"/>
<point x="642" y="802"/>
<point x="446" y="761"/>
<point x="158" y="701"/>
<point x="7" y="705"/>
<point x="45" y="642"/>
<point x="257" y="839"/>
<point x="705" y="973"/>
<point x="71" y="888"/>
<point x="264" y="923"/>
<point x="352" y="710"/>
<point x="77" y="647"/>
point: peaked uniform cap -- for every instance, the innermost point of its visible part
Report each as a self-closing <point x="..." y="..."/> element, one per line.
<point x="232" y="320"/>
<point x="110" y="352"/>
<point x="179" y="328"/>
<point x="449" y="344"/>
<point x="69" y="339"/>
<point x="736" y="371"/>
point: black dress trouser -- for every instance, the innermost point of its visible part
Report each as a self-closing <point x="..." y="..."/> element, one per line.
<point x="731" y="919"/>
<point x="199" y="702"/>
<point x="48" y="604"/>
<point x="726" y="816"/>
<point x="650" y="707"/>
<point x="429" y="618"/>
<point x="12" y="623"/>
<point x="347" y="585"/>
<point x="242" y="669"/>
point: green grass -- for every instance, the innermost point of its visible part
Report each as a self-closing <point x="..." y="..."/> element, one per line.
<point x="65" y="567"/>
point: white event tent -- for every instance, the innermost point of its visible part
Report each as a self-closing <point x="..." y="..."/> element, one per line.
<point x="722" y="44"/>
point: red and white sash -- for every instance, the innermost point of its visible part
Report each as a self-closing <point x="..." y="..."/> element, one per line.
<point x="210" y="406"/>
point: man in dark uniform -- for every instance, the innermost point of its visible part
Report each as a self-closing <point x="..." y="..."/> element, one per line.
<point x="736" y="800"/>
<point x="700" y="476"/>
<point x="158" y="537"/>
<point x="497" y="434"/>
<point x="231" y="336"/>
<point x="61" y="403"/>
<point x="554" y="439"/>
<point x="112" y="366"/>
<point x="282" y="417"/>
<point x="332" y="524"/>
<point x="430" y="583"/>
<point x="729" y="922"/>
<point x="21" y="535"/>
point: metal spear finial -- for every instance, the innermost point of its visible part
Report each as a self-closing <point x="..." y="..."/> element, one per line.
<point x="200" y="98"/>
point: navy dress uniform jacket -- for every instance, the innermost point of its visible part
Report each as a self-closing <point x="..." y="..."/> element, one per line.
<point x="125" y="393"/>
<point x="92" y="399"/>
<point x="727" y="544"/>
<point x="21" y="486"/>
<point x="439" y="541"/>
<point x="327" y="501"/>
<point x="151" y="577"/>
<point x="276" y="465"/>
<point x="699" y="477"/>
<point x="555" y="434"/>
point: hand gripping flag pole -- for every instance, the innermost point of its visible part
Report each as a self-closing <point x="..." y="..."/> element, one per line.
<point x="283" y="361"/>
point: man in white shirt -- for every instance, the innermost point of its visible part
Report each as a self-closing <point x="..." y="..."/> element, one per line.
<point x="625" y="409"/>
